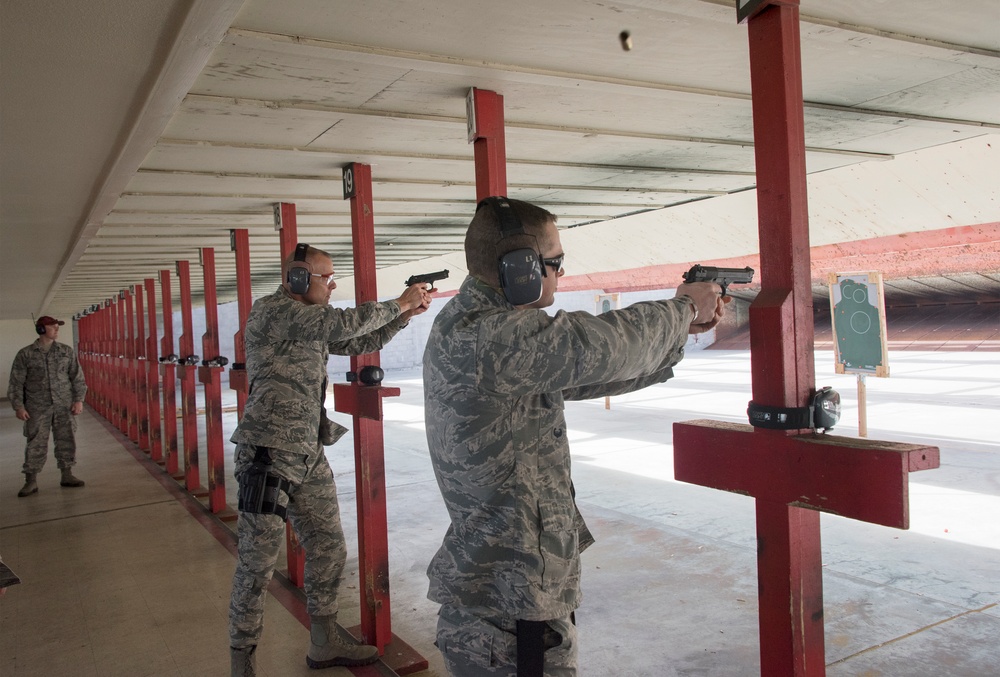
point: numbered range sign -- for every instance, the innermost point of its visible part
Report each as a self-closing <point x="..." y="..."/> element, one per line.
<point x="857" y="307"/>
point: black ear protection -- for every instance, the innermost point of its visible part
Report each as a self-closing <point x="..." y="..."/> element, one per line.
<point x="521" y="271"/>
<point x="40" y="328"/>
<point x="298" y="273"/>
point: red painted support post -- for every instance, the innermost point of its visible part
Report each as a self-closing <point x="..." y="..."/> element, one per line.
<point x="793" y="474"/>
<point x="152" y="376"/>
<point x="168" y="371"/>
<point x="141" y="387"/>
<point x="369" y="452"/>
<point x="107" y="364"/>
<point x="103" y="368"/>
<point x="121" y="388"/>
<point x="239" y="242"/>
<point x="486" y="132"/>
<point x="129" y="368"/>
<point x="186" y="367"/>
<point x="286" y="224"/>
<point x="210" y="374"/>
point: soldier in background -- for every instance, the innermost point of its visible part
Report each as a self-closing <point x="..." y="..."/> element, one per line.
<point x="46" y="389"/>
<point x="496" y="373"/>
<point x="281" y="466"/>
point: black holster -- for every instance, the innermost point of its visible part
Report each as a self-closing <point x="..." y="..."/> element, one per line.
<point x="534" y="638"/>
<point x="260" y="488"/>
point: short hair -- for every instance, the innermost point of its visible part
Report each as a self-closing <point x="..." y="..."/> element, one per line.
<point x="484" y="244"/>
<point x="312" y="253"/>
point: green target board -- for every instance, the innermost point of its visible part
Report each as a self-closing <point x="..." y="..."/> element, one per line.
<point x="857" y="306"/>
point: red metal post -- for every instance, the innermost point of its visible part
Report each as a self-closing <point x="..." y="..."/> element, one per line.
<point x="286" y="225"/>
<point x="168" y="371"/>
<point x="792" y="474"/>
<point x="152" y="376"/>
<point x="790" y="562"/>
<point x="186" y="368"/>
<point x="285" y="222"/>
<point x="141" y="388"/>
<point x="108" y="375"/>
<point x="240" y="244"/>
<point x="129" y="368"/>
<point x="369" y="451"/>
<point x="210" y="374"/>
<point x="103" y="368"/>
<point x="486" y="132"/>
<point x="121" y="368"/>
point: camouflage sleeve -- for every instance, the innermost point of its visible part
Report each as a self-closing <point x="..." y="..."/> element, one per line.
<point x="368" y="343"/>
<point x="620" y="387"/>
<point x="15" y="387"/>
<point x="529" y="351"/>
<point x="76" y="380"/>
<point x="301" y="322"/>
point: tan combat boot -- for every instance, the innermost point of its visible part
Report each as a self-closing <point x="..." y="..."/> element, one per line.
<point x="327" y="648"/>
<point x="30" y="485"/>
<point x="68" y="480"/>
<point x="243" y="662"/>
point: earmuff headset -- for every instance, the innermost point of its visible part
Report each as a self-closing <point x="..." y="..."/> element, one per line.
<point x="40" y="328"/>
<point x="299" y="271"/>
<point x="521" y="271"/>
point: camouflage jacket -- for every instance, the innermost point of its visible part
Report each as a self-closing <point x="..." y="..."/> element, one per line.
<point x="287" y="344"/>
<point x="495" y="379"/>
<point x="42" y="379"/>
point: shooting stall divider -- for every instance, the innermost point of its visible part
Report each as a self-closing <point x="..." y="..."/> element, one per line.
<point x="792" y="474"/>
<point x="239" y="243"/>
<point x="210" y="374"/>
<point x="364" y="404"/>
<point x="286" y="224"/>
<point x="168" y="372"/>
<point x="186" y="375"/>
<point x="484" y="118"/>
<point x="153" y="377"/>
<point x="141" y="387"/>
<point x="128" y="364"/>
<point x="121" y="387"/>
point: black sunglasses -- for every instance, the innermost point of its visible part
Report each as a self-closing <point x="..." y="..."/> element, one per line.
<point x="556" y="262"/>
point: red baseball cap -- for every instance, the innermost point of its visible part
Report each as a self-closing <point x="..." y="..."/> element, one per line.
<point x="45" y="321"/>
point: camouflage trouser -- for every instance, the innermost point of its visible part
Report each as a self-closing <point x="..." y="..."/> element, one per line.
<point x="315" y="516"/>
<point x="62" y="423"/>
<point x="479" y="642"/>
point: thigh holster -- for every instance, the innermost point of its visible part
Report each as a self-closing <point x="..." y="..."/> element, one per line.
<point x="260" y="487"/>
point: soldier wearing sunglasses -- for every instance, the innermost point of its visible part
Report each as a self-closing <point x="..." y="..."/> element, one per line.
<point x="496" y="374"/>
<point x="281" y="464"/>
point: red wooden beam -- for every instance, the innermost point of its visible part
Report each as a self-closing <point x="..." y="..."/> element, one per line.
<point x="486" y="133"/>
<point x="152" y="376"/>
<point x="369" y="450"/>
<point x="168" y="371"/>
<point x="141" y="388"/>
<point x="186" y="369"/>
<point x="286" y="224"/>
<point x="792" y="476"/>
<point x="121" y="370"/>
<point x="858" y="478"/>
<point x="210" y="374"/>
<point x="240" y="244"/>
<point x="131" y="391"/>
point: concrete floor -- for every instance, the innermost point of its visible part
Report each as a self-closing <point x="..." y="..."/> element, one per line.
<point x="122" y="578"/>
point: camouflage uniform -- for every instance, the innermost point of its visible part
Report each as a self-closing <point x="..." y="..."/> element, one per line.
<point x="287" y="344"/>
<point x="495" y="379"/>
<point x="47" y="384"/>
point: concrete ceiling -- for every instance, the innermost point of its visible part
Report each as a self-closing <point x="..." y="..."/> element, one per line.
<point x="134" y="132"/>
